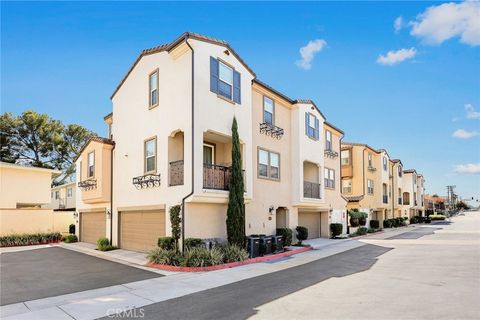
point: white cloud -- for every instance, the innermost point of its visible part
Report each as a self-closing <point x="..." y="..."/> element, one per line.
<point x="470" y="168"/>
<point x="309" y="51"/>
<point x="445" y="21"/>
<point x="394" y="57"/>
<point x="463" y="134"/>
<point x="471" y="113"/>
<point x="398" y="24"/>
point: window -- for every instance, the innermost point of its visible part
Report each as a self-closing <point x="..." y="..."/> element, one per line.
<point x="69" y="192"/>
<point x="57" y="195"/>
<point x="91" y="164"/>
<point x="150" y="153"/>
<point x="370" y="186"/>
<point x="268" y="109"/>
<point x="208" y="153"/>
<point x="385" y="164"/>
<point x="153" y="89"/>
<point x="370" y="161"/>
<point x="328" y="140"/>
<point x="345" y="155"/>
<point x="224" y="80"/>
<point x="51" y="194"/>
<point x="311" y="126"/>
<point x="329" y="178"/>
<point x="346" y="186"/>
<point x="268" y="164"/>
<point x="400" y="171"/>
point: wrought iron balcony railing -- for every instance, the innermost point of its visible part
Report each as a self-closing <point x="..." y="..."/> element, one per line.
<point x="146" y="181"/>
<point x="271" y="130"/>
<point x="385" y="199"/>
<point x="406" y="202"/>
<point x="311" y="190"/>
<point x="176" y="173"/>
<point x="372" y="168"/>
<point x="88" y="184"/>
<point x="216" y="177"/>
<point x="330" y="153"/>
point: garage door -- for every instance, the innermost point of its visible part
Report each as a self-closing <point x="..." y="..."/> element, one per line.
<point x="140" y="230"/>
<point x="311" y="220"/>
<point x="92" y="226"/>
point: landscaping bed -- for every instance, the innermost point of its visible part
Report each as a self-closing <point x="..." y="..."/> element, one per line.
<point x="17" y="240"/>
<point x="228" y="265"/>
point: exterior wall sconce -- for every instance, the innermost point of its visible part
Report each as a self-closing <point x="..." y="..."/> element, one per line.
<point x="271" y="210"/>
<point x="75" y="214"/>
<point x="109" y="213"/>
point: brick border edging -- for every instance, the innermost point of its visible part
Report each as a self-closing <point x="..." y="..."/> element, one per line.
<point x="30" y="244"/>
<point x="227" y="265"/>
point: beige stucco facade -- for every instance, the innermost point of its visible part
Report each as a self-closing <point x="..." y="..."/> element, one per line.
<point x="63" y="197"/>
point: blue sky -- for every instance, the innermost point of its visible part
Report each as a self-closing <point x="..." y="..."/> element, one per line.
<point x="65" y="59"/>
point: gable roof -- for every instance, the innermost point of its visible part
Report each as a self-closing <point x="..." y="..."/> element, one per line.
<point x="170" y="46"/>
<point x="96" y="139"/>
<point x="361" y="145"/>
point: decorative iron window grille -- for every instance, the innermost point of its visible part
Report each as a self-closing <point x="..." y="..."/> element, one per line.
<point x="372" y="168"/>
<point x="271" y="130"/>
<point x="330" y="153"/>
<point x="88" y="184"/>
<point x="146" y="181"/>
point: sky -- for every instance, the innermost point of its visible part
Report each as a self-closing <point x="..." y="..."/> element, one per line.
<point x="404" y="76"/>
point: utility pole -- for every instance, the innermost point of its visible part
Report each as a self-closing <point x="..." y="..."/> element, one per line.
<point x="451" y="197"/>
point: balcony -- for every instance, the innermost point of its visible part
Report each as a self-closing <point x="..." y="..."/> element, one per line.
<point x="370" y="168"/>
<point x="216" y="177"/>
<point x="89" y="184"/>
<point x="311" y="190"/>
<point x="271" y="130"/>
<point x="176" y="173"/>
<point x="406" y="202"/>
<point x="385" y="199"/>
<point x="146" y="181"/>
<point x="330" y="153"/>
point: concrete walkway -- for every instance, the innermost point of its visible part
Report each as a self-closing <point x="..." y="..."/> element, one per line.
<point x="97" y="303"/>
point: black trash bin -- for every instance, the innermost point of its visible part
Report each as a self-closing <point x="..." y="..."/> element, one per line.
<point x="278" y="241"/>
<point x="253" y="246"/>
<point x="266" y="244"/>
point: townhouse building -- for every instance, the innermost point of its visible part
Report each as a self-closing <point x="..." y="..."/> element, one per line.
<point x="169" y="143"/>
<point x="63" y="197"/>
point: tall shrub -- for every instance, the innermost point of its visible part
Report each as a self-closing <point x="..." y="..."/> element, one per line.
<point x="175" y="221"/>
<point x="236" y="207"/>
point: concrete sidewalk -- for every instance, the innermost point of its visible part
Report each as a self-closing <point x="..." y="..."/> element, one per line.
<point x="92" y="304"/>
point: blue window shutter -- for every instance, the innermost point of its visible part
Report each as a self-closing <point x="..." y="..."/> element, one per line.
<point x="306" y="123"/>
<point x="213" y="75"/>
<point x="317" y="129"/>
<point x="236" y="87"/>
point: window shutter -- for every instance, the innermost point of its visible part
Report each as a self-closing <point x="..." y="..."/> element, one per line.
<point x="317" y="131"/>
<point x="213" y="75"/>
<point x="306" y="123"/>
<point x="236" y="87"/>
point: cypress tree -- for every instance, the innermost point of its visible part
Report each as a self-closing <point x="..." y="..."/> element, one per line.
<point x="236" y="207"/>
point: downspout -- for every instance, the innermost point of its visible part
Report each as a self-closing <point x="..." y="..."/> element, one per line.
<point x="340" y="186"/>
<point x="111" y="197"/>
<point x="192" y="143"/>
<point x="363" y="170"/>
<point x="393" y="193"/>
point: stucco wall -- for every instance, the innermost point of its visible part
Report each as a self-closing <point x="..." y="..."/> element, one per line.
<point x="16" y="221"/>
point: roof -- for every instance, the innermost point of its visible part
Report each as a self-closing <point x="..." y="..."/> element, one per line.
<point x="334" y="127"/>
<point x="108" y="116"/>
<point x="362" y="145"/>
<point x="170" y="46"/>
<point x="353" y="198"/>
<point x="31" y="168"/>
<point x="397" y="160"/>
<point x="410" y="171"/>
<point x="94" y="139"/>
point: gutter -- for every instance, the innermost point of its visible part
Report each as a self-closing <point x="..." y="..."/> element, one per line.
<point x="192" y="143"/>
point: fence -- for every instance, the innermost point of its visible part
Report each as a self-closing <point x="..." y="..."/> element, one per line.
<point x="15" y="221"/>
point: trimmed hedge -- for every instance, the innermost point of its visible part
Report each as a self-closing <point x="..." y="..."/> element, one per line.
<point x="336" y="229"/>
<point x="193" y="243"/>
<point x="166" y="243"/>
<point x="374" y="224"/>
<point x="302" y="233"/>
<point x="286" y="234"/>
<point x="361" y="231"/>
<point x="70" y="238"/>
<point x="29" y="239"/>
<point x="437" y="217"/>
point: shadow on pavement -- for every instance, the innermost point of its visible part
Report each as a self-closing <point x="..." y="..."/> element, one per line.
<point x="239" y="300"/>
<point x="415" y="233"/>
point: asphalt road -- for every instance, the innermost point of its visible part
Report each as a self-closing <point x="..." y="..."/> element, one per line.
<point x="42" y="273"/>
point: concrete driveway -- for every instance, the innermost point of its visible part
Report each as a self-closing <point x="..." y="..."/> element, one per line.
<point x="41" y="273"/>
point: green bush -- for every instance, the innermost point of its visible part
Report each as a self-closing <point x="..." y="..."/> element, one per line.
<point x="434" y="217"/>
<point x="302" y="233"/>
<point x="370" y="230"/>
<point x="107" y="248"/>
<point x="233" y="253"/>
<point x="354" y="213"/>
<point x="166" y="243"/>
<point x="70" y="238"/>
<point x="336" y="229"/>
<point x="202" y="257"/>
<point x="28" y="239"/>
<point x="286" y="234"/>
<point x="168" y="257"/>
<point x="102" y="242"/>
<point x="387" y="223"/>
<point x="175" y="221"/>
<point x="374" y="224"/>
<point x="193" y="243"/>
<point x="414" y="220"/>
<point x="361" y="231"/>
<point x="71" y="229"/>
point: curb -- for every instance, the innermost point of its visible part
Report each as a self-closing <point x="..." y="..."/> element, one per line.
<point x="227" y="265"/>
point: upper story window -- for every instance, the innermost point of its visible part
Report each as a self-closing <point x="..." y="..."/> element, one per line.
<point x="57" y="195"/>
<point x="224" y="80"/>
<point x="91" y="164"/>
<point x="370" y="186"/>
<point x="268" y="110"/>
<point x="400" y="171"/>
<point x="329" y="178"/>
<point x="69" y="192"/>
<point x="346" y="186"/>
<point x="328" y="140"/>
<point x="268" y="164"/>
<point x="345" y="155"/>
<point x="153" y="89"/>
<point x="150" y="153"/>
<point x="208" y="153"/>
<point x="311" y="126"/>
<point x="385" y="164"/>
<point x="370" y="160"/>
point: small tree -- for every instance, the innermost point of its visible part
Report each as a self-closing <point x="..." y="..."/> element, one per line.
<point x="175" y="221"/>
<point x="236" y="206"/>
